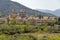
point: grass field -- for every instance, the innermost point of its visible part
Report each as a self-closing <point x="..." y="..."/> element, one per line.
<point x="31" y="36"/>
<point x="48" y="36"/>
<point x="45" y="36"/>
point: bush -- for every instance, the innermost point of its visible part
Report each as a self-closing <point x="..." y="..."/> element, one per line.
<point x="16" y="37"/>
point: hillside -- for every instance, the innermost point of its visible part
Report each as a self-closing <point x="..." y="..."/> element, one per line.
<point x="7" y="5"/>
<point x="55" y="12"/>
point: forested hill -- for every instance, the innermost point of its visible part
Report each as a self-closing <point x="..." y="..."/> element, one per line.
<point x="7" y="5"/>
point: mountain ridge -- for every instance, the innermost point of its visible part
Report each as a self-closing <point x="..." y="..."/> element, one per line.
<point x="7" y="5"/>
<point x="55" y="12"/>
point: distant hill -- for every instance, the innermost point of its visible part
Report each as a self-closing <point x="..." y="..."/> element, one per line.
<point x="7" y="5"/>
<point x="55" y="12"/>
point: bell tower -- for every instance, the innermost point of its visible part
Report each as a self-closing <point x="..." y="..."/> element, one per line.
<point x="13" y="15"/>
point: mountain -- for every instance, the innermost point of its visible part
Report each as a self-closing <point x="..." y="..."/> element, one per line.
<point x="7" y="5"/>
<point x="46" y="11"/>
<point x="55" y="12"/>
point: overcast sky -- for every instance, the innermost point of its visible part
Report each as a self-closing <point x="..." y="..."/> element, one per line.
<point x="41" y="4"/>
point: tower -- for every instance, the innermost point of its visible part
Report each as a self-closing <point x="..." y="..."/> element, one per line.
<point x="21" y="13"/>
<point x="13" y="15"/>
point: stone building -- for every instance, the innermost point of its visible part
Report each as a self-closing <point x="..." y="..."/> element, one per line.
<point x="23" y="17"/>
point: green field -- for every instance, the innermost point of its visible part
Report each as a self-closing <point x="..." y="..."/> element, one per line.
<point x="49" y="36"/>
<point x="31" y="36"/>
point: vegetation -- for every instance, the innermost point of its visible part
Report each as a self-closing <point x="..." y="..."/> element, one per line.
<point x="49" y="36"/>
<point x="24" y="31"/>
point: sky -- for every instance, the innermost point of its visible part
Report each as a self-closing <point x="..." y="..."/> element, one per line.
<point x="41" y="4"/>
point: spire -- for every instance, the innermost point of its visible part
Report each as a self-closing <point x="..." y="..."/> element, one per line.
<point x="13" y="11"/>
